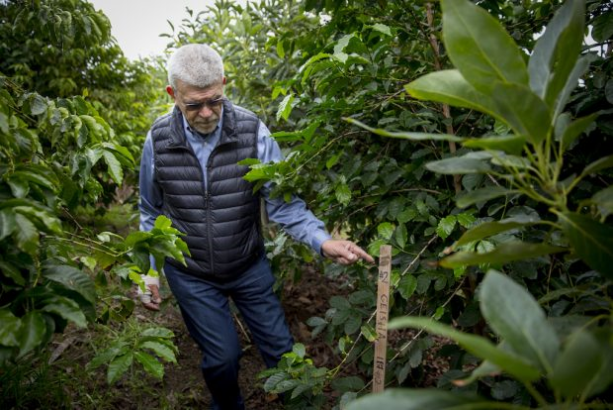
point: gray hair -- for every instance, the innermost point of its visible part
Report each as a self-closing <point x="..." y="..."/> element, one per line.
<point x="195" y="64"/>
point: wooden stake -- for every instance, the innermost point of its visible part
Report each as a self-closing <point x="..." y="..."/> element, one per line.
<point x="383" y="296"/>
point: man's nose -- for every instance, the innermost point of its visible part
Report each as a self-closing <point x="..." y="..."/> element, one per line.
<point x="205" y="111"/>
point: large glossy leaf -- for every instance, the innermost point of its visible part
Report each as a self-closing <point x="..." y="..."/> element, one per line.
<point x="9" y="331"/>
<point x="511" y="144"/>
<point x="556" y="51"/>
<point x="479" y="46"/>
<point x="573" y="80"/>
<point x="483" y="194"/>
<point x="504" y="253"/>
<point x="32" y="332"/>
<point x="459" y="165"/>
<point x="487" y="229"/>
<point x="414" y="136"/>
<point x="577" y="365"/>
<point x="476" y="345"/>
<point x="593" y="241"/>
<point x="516" y="317"/>
<point x="523" y="110"/>
<point x="449" y="87"/>
<point x="73" y="279"/>
<point x="414" y="399"/>
<point x="604" y="377"/>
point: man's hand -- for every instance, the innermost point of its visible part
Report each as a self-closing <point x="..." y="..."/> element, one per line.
<point x="150" y="298"/>
<point x="344" y="252"/>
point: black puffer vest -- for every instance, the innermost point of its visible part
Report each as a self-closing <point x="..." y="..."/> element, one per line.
<point x="222" y="224"/>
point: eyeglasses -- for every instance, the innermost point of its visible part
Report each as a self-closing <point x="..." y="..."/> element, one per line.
<point x="214" y="103"/>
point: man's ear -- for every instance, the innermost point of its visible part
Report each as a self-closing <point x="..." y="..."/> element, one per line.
<point x="224" y="81"/>
<point x="170" y="91"/>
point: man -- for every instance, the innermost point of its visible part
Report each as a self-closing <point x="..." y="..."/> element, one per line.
<point x="189" y="173"/>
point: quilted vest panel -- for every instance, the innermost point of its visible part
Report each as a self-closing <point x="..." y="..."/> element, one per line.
<point x="222" y="223"/>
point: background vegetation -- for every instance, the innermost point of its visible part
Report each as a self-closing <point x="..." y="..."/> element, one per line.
<point x="519" y="187"/>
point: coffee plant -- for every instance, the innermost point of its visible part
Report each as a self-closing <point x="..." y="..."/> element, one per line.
<point x="469" y="135"/>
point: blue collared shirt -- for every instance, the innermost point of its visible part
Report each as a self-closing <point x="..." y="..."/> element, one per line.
<point x="293" y="216"/>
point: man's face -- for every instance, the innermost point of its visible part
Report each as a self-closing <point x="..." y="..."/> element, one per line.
<point x="203" y="118"/>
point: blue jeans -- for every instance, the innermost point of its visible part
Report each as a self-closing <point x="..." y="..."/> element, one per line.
<point x="206" y="312"/>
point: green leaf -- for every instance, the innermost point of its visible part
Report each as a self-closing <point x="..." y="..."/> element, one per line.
<point x="285" y="107"/>
<point x="516" y="317"/>
<point x="556" y="51"/>
<point x="485" y="369"/>
<point x="602" y="27"/>
<point x="523" y="110"/>
<point x="487" y="229"/>
<point x="343" y="194"/>
<point x="598" y="165"/>
<point x="275" y="379"/>
<point x="26" y="234"/>
<point x="401" y="235"/>
<point x="68" y="309"/>
<point x="592" y="241"/>
<point x="479" y="46"/>
<point x="280" y="49"/>
<point x="73" y="279"/>
<point x="32" y="332"/>
<point x="573" y="80"/>
<point x="604" y="377"/>
<point x="382" y="28"/>
<point x="466" y="199"/>
<point x="38" y="104"/>
<point x="9" y="331"/>
<point x="504" y="253"/>
<point x="476" y="345"/>
<point x="604" y="201"/>
<point x="7" y="223"/>
<point x="446" y="226"/>
<point x="160" y="332"/>
<point x="420" y="399"/>
<point x="352" y="324"/>
<point x="114" y="167"/>
<point x="345" y="384"/>
<point x="575" y="129"/>
<point x="159" y="349"/>
<point x="150" y="364"/>
<point x="414" y="136"/>
<point x="299" y="350"/>
<point x="449" y="87"/>
<point x="511" y="144"/>
<point x="162" y="222"/>
<point x="48" y="221"/>
<point x="578" y="364"/>
<point x="407" y="286"/>
<point x="368" y="332"/>
<point x="118" y="367"/>
<point x="459" y="165"/>
<point x="386" y="230"/>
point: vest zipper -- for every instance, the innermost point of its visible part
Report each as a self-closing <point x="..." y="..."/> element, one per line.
<point x="207" y="200"/>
